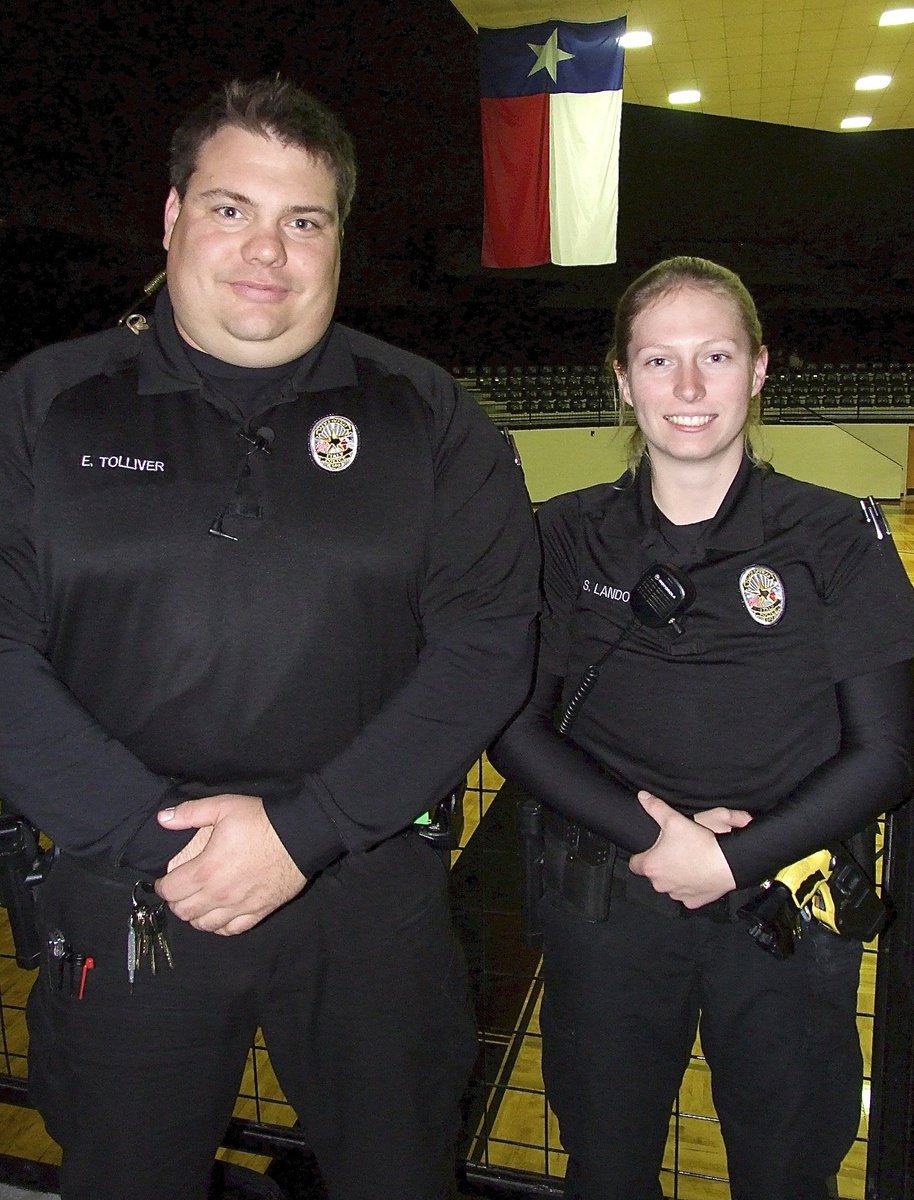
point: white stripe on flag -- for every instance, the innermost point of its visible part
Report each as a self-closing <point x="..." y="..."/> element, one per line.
<point x="584" y="176"/>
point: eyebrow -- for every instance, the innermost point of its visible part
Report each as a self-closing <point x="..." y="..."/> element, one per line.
<point x="672" y="345"/>
<point x="290" y="210"/>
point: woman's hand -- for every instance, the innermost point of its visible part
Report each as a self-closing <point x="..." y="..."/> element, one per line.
<point x="685" y="862"/>
<point x="723" y="820"/>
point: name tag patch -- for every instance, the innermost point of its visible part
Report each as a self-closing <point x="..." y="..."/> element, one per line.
<point x="121" y="462"/>
<point x="605" y="589"/>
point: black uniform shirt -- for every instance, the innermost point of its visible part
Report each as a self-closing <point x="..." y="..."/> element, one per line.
<point x="794" y="593"/>
<point x="344" y="644"/>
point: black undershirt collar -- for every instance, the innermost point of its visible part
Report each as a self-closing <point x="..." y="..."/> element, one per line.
<point x="687" y="540"/>
<point x="738" y="523"/>
<point x="165" y="365"/>
<point x="251" y="390"/>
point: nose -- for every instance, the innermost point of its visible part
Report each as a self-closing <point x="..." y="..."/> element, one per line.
<point x="689" y="383"/>
<point x="264" y="246"/>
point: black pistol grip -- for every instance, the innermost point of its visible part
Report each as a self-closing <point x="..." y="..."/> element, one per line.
<point x="18" y="855"/>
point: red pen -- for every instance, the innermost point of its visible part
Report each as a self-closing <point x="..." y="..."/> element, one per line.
<point x="87" y="967"/>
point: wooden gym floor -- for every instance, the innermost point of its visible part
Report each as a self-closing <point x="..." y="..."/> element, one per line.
<point x="509" y="1123"/>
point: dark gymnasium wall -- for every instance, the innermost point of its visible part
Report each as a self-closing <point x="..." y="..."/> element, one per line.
<point x="819" y="224"/>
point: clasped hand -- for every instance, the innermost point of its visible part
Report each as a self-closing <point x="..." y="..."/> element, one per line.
<point x="686" y="861"/>
<point x="233" y="872"/>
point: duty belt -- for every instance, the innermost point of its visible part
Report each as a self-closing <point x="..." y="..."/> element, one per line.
<point x="588" y="870"/>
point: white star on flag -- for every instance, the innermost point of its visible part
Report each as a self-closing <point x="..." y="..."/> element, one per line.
<point x="548" y="56"/>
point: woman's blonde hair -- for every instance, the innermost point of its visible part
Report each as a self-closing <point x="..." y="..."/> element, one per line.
<point x="658" y="281"/>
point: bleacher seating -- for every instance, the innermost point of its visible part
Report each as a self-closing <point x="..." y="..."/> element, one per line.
<point x="840" y="392"/>
<point x="586" y="394"/>
<point x="546" y="394"/>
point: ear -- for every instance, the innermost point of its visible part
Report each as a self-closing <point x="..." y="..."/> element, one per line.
<point x="759" y="371"/>
<point x="172" y="208"/>
<point x="622" y="379"/>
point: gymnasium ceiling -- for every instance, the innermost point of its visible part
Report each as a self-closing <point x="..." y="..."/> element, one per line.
<point x="790" y="62"/>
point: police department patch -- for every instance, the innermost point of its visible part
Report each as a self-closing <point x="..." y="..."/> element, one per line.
<point x="763" y="594"/>
<point x="333" y="442"/>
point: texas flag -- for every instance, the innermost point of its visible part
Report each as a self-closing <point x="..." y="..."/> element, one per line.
<point x="551" y="97"/>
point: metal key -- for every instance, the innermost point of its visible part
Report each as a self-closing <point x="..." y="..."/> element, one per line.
<point x="131" y="948"/>
<point x="158" y="917"/>
<point x="139" y="939"/>
<point x="147" y="941"/>
<point x="147" y="946"/>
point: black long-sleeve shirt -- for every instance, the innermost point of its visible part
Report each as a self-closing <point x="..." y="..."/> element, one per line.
<point x="346" y="650"/>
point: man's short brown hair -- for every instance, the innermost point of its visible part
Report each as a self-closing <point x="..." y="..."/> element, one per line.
<point x="271" y="108"/>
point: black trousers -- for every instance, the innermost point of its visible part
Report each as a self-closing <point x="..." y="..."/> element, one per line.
<point x="358" y="985"/>
<point x="622" y="1003"/>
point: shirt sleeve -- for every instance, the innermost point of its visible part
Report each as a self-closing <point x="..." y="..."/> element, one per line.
<point x="531" y="751"/>
<point x="867" y="596"/>
<point x="557" y="523"/>
<point x="58" y="767"/>
<point x="872" y="773"/>
<point x="868" y="604"/>
<point x="477" y="615"/>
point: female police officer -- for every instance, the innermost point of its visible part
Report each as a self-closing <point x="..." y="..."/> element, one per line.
<point x="777" y="722"/>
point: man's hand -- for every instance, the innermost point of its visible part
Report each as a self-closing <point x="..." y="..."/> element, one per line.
<point x="685" y="862"/>
<point x="193" y="847"/>
<point x="234" y="872"/>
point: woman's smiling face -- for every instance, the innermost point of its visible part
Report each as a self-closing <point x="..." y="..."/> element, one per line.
<point x="691" y="374"/>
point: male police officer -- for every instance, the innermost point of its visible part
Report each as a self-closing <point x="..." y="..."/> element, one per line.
<point x="266" y="590"/>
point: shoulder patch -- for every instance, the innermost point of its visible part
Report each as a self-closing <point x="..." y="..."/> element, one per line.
<point x="763" y="594"/>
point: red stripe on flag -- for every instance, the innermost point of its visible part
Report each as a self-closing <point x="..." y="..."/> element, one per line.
<point x="515" y="164"/>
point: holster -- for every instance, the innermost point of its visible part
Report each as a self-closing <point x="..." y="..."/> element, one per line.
<point x="22" y="865"/>
<point x="857" y="909"/>
<point x="587" y="871"/>
<point x="578" y="866"/>
<point x="444" y="827"/>
<point x="828" y="886"/>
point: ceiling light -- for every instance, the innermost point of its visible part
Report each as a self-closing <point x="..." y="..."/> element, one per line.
<point x="897" y="16"/>
<point x="637" y="37"/>
<point x="872" y="83"/>
<point x="856" y="122"/>
<point x="689" y="96"/>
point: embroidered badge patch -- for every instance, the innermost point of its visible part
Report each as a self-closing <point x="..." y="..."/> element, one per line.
<point x="333" y="442"/>
<point x="763" y="594"/>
